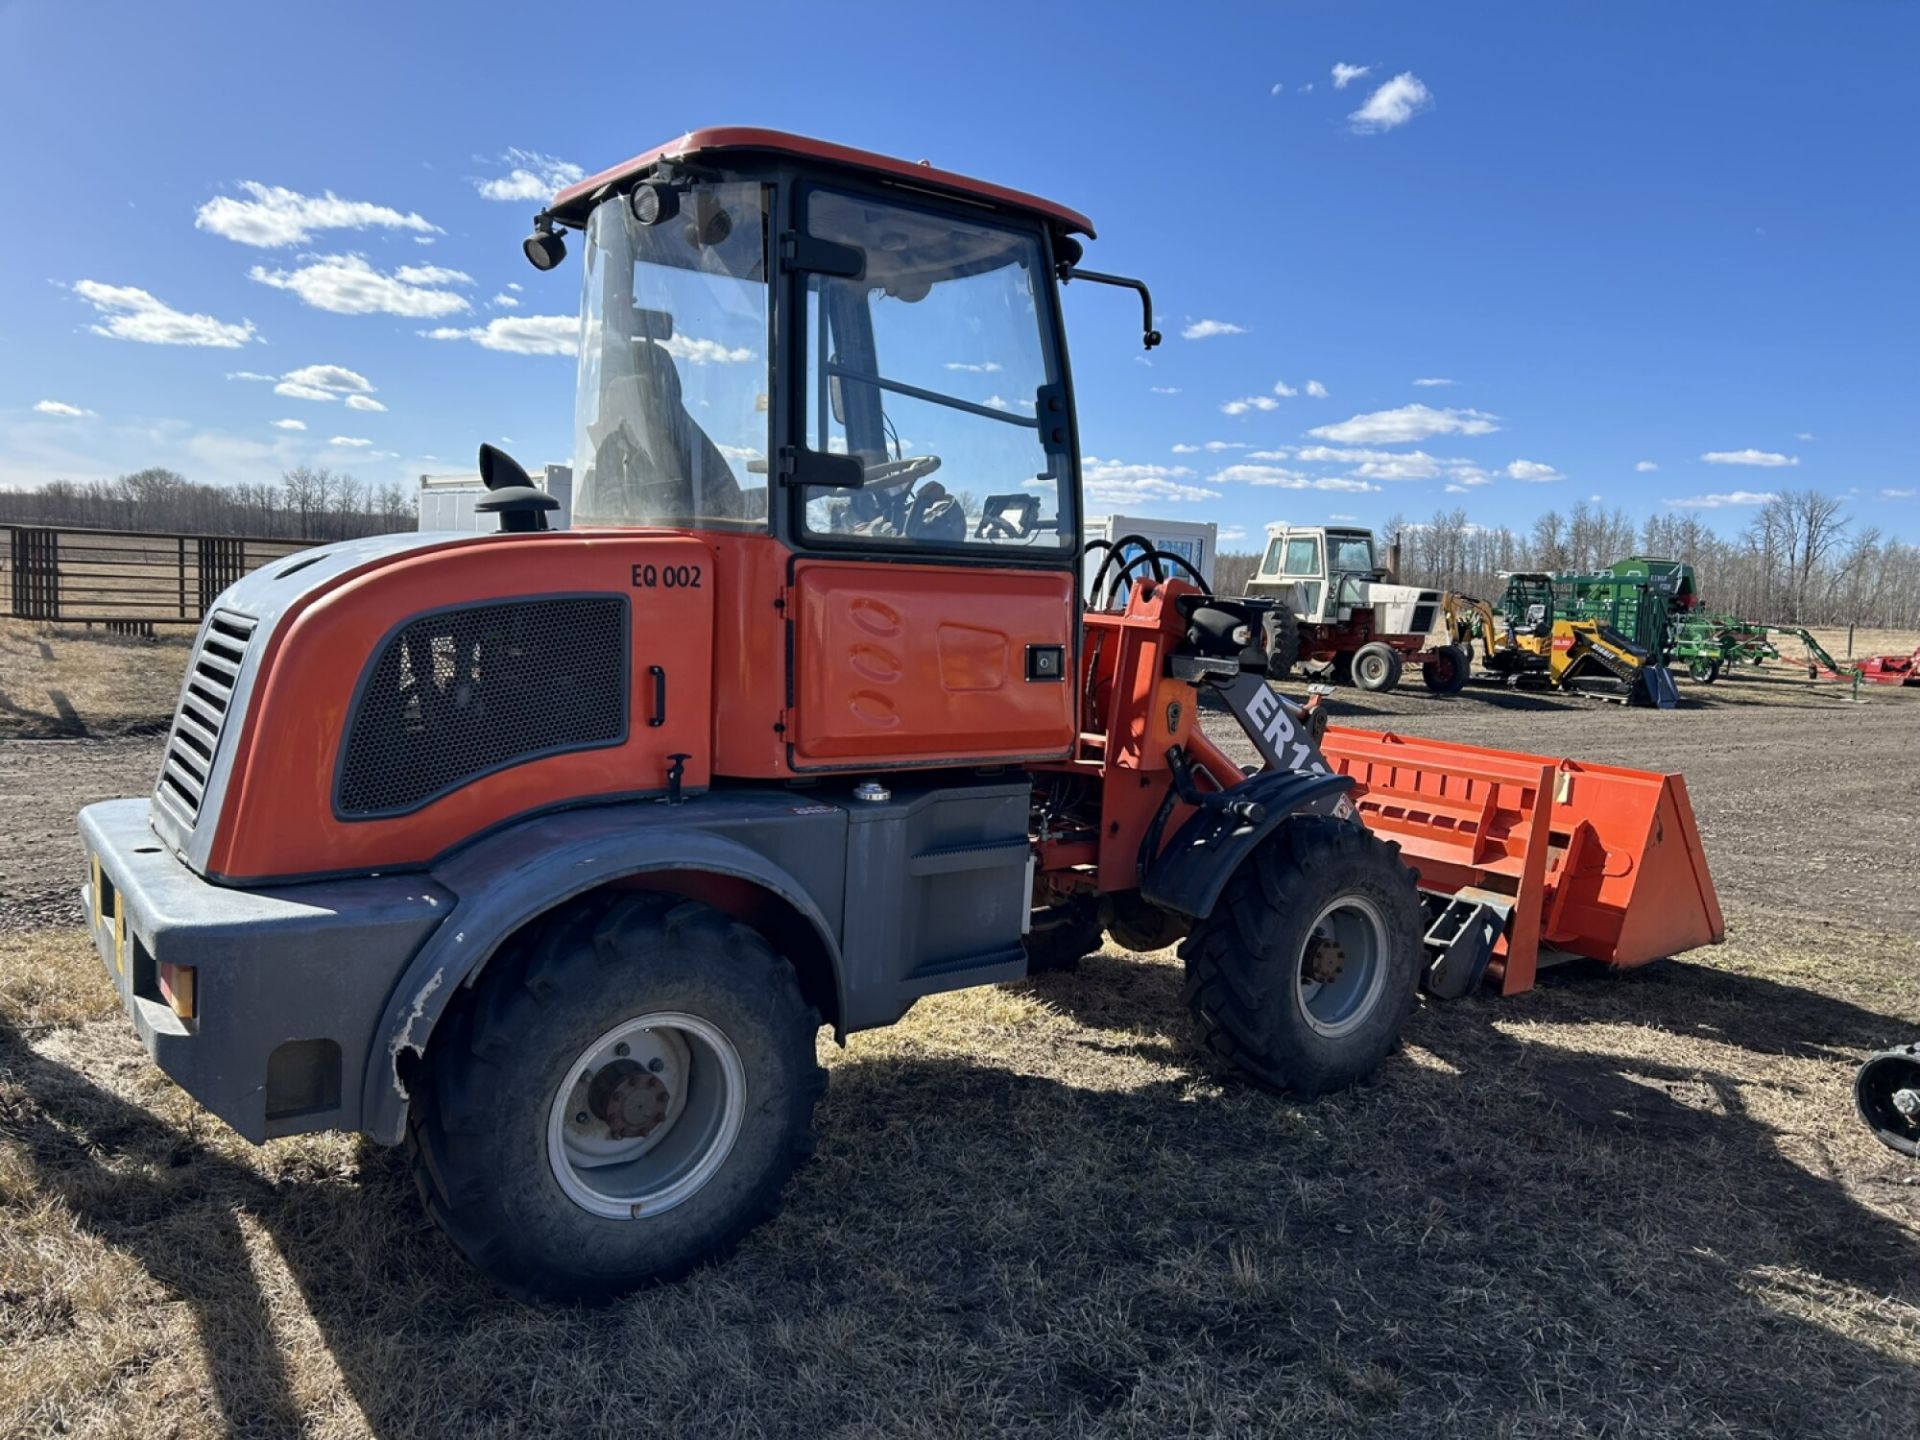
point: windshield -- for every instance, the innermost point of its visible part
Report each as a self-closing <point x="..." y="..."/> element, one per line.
<point x="671" y="413"/>
<point x="1350" y="552"/>
<point x="935" y="358"/>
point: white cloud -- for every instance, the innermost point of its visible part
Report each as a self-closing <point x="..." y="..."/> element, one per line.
<point x="989" y="367"/>
<point x="1898" y="494"/>
<point x="275" y="216"/>
<point x="711" y="352"/>
<point x="1645" y="467"/>
<point x="289" y="424"/>
<point x="364" y="402"/>
<point x="1432" y="380"/>
<point x="1343" y="517"/>
<point x="1272" y="477"/>
<point x="1409" y="422"/>
<point x="1456" y="490"/>
<point x="1803" y="435"/>
<point x="1722" y="501"/>
<point x="1164" y="389"/>
<point x="1533" y="471"/>
<point x="1249" y="402"/>
<point x="61" y="408"/>
<point x="322" y="382"/>
<point x="1211" y="446"/>
<point x="1233" y="532"/>
<point x="520" y="334"/>
<point x="249" y="375"/>
<point x="349" y="442"/>
<point x="1316" y="390"/>
<point x="1114" y="482"/>
<point x="1207" y="329"/>
<point x="1276" y="89"/>
<point x="133" y="314"/>
<point x="531" y="176"/>
<point x="348" y="285"/>
<point x="1766" y="459"/>
<point x="1345" y="75"/>
<point x="1393" y="104"/>
<point x="515" y="286"/>
<point x="997" y="402"/>
<point x="1284" y="390"/>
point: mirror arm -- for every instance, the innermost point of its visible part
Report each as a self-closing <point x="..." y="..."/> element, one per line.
<point x="1150" y="335"/>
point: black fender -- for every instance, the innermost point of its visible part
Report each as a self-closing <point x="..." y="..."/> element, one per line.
<point x="1189" y="874"/>
<point x="519" y="874"/>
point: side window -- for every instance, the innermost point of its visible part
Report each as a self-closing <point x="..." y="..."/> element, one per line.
<point x="1271" y="565"/>
<point x="1303" y="557"/>
<point x="931" y="368"/>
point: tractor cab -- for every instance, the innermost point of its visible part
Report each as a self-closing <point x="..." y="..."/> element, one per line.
<point x="846" y="372"/>
<point x="1332" y="570"/>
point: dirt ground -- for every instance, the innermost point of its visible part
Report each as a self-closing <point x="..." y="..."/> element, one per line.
<point x="1620" y="1205"/>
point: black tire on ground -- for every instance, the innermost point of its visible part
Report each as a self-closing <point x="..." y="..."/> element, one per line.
<point x="1876" y="1087"/>
<point x="1446" y="673"/>
<point x="1704" y="671"/>
<point x="1138" y="926"/>
<point x="1251" y="965"/>
<point x="1376" y="667"/>
<point x="1062" y="935"/>
<point x="488" y="1125"/>
<point x="1283" y="642"/>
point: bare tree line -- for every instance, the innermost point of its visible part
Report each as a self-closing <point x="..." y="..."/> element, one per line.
<point x="1799" y="560"/>
<point x="306" y="503"/>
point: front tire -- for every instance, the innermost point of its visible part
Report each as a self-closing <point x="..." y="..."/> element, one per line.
<point x="1446" y="672"/>
<point x="1704" y="672"/>
<point x="1376" y="668"/>
<point x="1305" y="972"/>
<point x="1283" y="643"/>
<point x="621" y="1098"/>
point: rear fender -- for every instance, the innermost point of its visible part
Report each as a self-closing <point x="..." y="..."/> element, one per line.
<point x="506" y="883"/>
<point x="1194" y="868"/>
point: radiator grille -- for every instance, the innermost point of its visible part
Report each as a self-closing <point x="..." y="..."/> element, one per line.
<point x="459" y="693"/>
<point x="195" y="738"/>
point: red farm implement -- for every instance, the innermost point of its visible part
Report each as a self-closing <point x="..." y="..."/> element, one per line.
<point x="1535" y="854"/>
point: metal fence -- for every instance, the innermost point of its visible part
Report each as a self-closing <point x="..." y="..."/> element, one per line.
<point x="124" y="578"/>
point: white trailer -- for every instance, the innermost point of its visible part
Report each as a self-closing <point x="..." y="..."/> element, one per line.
<point x="1194" y="541"/>
<point x="447" y="501"/>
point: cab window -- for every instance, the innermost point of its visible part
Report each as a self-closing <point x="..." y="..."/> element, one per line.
<point x="1303" y="556"/>
<point x="931" y="368"/>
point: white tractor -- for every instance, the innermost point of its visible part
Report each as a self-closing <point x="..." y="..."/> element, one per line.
<point x="1334" y="606"/>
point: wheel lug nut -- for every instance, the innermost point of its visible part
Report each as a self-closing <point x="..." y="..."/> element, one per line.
<point x="623" y="1048"/>
<point x="656" y="1064"/>
<point x="581" y="1118"/>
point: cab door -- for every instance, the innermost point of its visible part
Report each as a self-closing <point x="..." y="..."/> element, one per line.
<point x="933" y="600"/>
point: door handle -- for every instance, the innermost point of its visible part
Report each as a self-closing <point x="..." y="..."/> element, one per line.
<point x="659" y="674"/>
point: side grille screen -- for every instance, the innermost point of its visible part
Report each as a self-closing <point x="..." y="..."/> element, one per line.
<point x="462" y="692"/>
<point x="211" y="675"/>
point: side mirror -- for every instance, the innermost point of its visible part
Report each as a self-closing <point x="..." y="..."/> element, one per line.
<point x="500" y="471"/>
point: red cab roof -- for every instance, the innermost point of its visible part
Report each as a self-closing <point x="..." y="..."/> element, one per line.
<point x="570" y="204"/>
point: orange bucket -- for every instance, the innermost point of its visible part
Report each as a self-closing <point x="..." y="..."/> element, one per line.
<point x="1597" y="860"/>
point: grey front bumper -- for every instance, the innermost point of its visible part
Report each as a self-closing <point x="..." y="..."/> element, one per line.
<point x="289" y="982"/>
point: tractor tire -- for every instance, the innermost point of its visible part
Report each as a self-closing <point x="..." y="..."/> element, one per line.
<point x="1446" y="673"/>
<point x="1283" y="643"/>
<point x="1886" y="1090"/>
<point x="1061" y="936"/>
<point x="1305" y="972"/>
<point x="1140" y="927"/>
<point x="1377" y="667"/>
<point x="619" y="1099"/>
<point x="1704" y="671"/>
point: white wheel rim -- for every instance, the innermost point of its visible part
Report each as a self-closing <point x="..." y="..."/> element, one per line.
<point x="658" y="1125"/>
<point x="1339" y="1005"/>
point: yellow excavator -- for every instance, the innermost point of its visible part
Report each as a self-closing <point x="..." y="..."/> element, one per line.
<point x="1528" y="644"/>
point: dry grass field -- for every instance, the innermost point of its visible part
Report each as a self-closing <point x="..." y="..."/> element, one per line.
<point x="1620" y="1205"/>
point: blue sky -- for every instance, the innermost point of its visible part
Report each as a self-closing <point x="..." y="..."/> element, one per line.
<point x="1626" y="235"/>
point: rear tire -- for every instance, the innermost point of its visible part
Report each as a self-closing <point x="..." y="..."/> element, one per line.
<point x="1704" y="671"/>
<point x="1877" y="1092"/>
<point x="621" y="1098"/>
<point x="1305" y="972"/>
<point x="1377" y="667"/>
<point x="1446" y="672"/>
<point x="1283" y="643"/>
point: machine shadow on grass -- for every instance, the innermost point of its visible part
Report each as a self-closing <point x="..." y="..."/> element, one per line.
<point x="1462" y="1228"/>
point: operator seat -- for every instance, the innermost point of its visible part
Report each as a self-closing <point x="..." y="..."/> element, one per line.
<point x="683" y="474"/>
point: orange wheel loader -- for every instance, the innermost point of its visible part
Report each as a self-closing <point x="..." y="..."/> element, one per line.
<point x="547" y="853"/>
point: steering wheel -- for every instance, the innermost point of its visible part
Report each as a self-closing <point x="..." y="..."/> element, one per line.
<point x="892" y="474"/>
